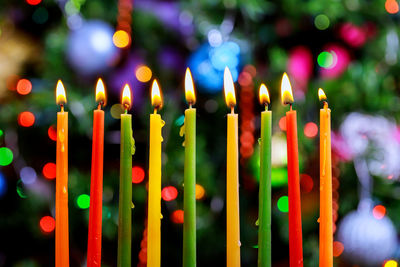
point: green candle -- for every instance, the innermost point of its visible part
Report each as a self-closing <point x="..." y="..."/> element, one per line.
<point x="125" y="186"/>
<point x="264" y="213"/>
<point x="189" y="196"/>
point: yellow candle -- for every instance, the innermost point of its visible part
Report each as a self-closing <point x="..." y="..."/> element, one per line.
<point x="154" y="202"/>
<point x="325" y="219"/>
<point x="62" y="232"/>
<point x="232" y="177"/>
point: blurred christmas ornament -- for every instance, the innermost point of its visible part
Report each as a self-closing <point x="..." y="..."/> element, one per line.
<point x="300" y="66"/>
<point x="333" y="61"/>
<point x="367" y="241"/>
<point x="378" y="143"/>
<point x="90" y="48"/>
<point x="207" y="64"/>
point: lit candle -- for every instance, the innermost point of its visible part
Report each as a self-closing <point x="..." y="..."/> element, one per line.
<point x="125" y="184"/>
<point x="295" y="231"/>
<point x="96" y="183"/>
<point x="189" y="197"/>
<point x="325" y="219"/>
<point x="154" y="201"/>
<point x="264" y="210"/>
<point x="62" y="232"/>
<point x="232" y="177"/>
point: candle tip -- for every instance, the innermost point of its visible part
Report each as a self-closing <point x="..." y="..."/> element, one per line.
<point x="263" y="95"/>
<point x="61" y="97"/>
<point x="126" y="100"/>
<point x="100" y="92"/>
<point x="229" y="88"/>
<point x="189" y="88"/>
<point x="156" y="97"/>
<point x="286" y="90"/>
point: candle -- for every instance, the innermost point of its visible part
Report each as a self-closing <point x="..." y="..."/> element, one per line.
<point x="232" y="177"/>
<point x="295" y="231"/>
<point x="154" y="202"/>
<point x="96" y="183"/>
<point x="62" y="232"/>
<point x="125" y="184"/>
<point x="264" y="211"/>
<point x="189" y="197"/>
<point x="325" y="219"/>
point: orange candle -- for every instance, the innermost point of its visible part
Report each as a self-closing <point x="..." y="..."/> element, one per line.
<point x="325" y="170"/>
<point x="295" y="231"/>
<point x="96" y="184"/>
<point x="62" y="246"/>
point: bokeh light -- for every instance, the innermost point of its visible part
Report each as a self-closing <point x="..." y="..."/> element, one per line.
<point x="169" y="193"/>
<point x="49" y="170"/>
<point x="390" y="263"/>
<point x="282" y="123"/>
<point x="200" y="191"/>
<point x="116" y="111"/>
<point x="310" y="130"/>
<point x="283" y="204"/>
<point x="138" y="174"/>
<point x="143" y="73"/>
<point x="3" y="185"/>
<point x="47" y="224"/>
<point x="28" y="175"/>
<point x="6" y="156"/>
<point x="177" y="216"/>
<point x="83" y="201"/>
<point x="337" y="248"/>
<point x="26" y="119"/>
<point x="306" y="183"/>
<point x="379" y="212"/>
<point x="321" y="22"/>
<point x="121" y="39"/>
<point x="24" y="86"/>
<point x="391" y="6"/>
<point x="33" y="2"/>
<point x="52" y="132"/>
<point x="325" y="59"/>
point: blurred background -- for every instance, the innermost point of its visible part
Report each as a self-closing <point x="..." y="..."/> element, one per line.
<point x="348" y="47"/>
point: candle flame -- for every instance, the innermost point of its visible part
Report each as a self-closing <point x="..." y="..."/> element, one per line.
<point x="263" y="95"/>
<point x="286" y="90"/>
<point x="322" y="95"/>
<point x="100" y="92"/>
<point x="189" y="88"/>
<point x="61" y="97"/>
<point x="229" y="88"/>
<point x="156" y="98"/>
<point x="126" y="97"/>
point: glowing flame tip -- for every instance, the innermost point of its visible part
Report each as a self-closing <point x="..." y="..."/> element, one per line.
<point x="229" y="88"/>
<point x="286" y="90"/>
<point x="126" y="97"/>
<point x="189" y="88"/>
<point x="322" y="95"/>
<point x="61" y="97"/>
<point x="263" y="95"/>
<point x="100" y="92"/>
<point x="156" y="98"/>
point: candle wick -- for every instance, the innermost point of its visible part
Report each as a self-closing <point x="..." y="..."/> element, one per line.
<point x="155" y="110"/>
<point x="99" y="106"/>
<point x="126" y="110"/>
<point x="266" y="106"/>
<point x="290" y="106"/>
<point x="232" y="109"/>
<point x="62" y="107"/>
<point x="190" y="104"/>
<point x="326" y="105"/>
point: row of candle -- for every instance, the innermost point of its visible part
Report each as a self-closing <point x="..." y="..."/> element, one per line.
<point x="154" y="186"/>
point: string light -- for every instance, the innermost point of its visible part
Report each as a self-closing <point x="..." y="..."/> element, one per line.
<point x="24" y="86"/>
<point x="49" y="170"/>
<point x="52" y="132"/>
<point x="6" y="156"/>
<point x="169" y="193"/>
<point x="177" y="216"/>
<point x="26" y="119"/>
<point x="138" y="175"/>
<point x="282" y="123"/>
<point x="310" y="130"/>
<point x="391" y="263"/>
<point x="33" y="2"/>
<point x="283" y="204"/>
<point x="379" y="212"/>
<point x="47" y="224"/>
<point x="200" y="191"/>
<point x="143" y="73"/>
<point x="121" y="39"/>
<point x="338" y="248"/>
<point x="83" y="201"/>
<point x="391" y="6"/>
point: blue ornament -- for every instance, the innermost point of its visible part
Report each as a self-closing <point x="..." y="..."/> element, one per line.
<point x="208" y="63"/>
<point x="90" y="48"/>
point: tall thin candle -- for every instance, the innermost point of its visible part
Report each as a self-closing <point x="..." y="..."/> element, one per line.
<point x="96" y="184"/>
<point x="189" y="196"/>
<point x="62" y="231"/>
<point x="125" y="184"/>
<point x="325" y="217"/>
<point x="295" y="231"/>
<point x="264" y="210"/>
<point x="232" y="177"/>
<point x="154" y="202"/>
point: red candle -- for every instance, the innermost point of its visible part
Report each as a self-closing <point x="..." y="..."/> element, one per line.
<point x="295" y="231"/>
<point x="96" y="184"/>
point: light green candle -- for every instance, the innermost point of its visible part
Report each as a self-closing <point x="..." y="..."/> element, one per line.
<point x="264" y="212"/>
<point x="189" y="196"/>
<point x="125" y="185"/>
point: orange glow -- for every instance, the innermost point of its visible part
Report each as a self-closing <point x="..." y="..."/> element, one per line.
<point x="321" y="95"/>
<point x="47" y="224"/>
<point x="390" y="263"/>
<point x="310" y="130"/>
<point x="49" y="170"/>
<point x="143" y="73"/>
<point x="282" y="123"/>
<point x="100" y="92"/>
<point x="263" y="95"/>
<point x="286" y="90"/>
<point x="229" y="88"/>
<point x="177" y="216"/>
<point x="24" y="87"/>
<point x="126" y="97"/>
<point x="52" y="132"/>
<point x="379" y="212"/>
<point x="189" y="88"/>
<point x="337" y="248"/>
<point x="169" y="193"/>
<point x="121" y="39"/>
<point x="61" y="97"/>
<point x="200" y="191"/>
<point x="391" y="6"/>
<point x="138" y="175"/>
<point x="156" y="98"/>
